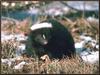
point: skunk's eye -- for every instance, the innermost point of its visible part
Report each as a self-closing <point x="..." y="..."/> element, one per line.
<point x="44" y="37"/>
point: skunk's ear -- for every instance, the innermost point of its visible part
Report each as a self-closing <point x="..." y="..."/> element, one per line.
<point x="41" y="25"/>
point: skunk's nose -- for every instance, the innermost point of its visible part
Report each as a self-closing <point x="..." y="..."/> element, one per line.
<point x="45" y="42"/>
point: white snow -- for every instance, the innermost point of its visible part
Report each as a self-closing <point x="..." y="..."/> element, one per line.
<point x="80" y="5"/>
<point x="97" y="46"/>
<point x="8" y="61"/>
<point x="92" y="19"/>
<point x="91" y="40"/>
<point x="4" y="60"/>
<point x="87" y="55"/>
<point x="86" y="38"/>
<point x="90" y="58"/>
<point x="17" y="37"/>
<point x="79" y="44"/>
<point x="5" y="4"/>
<point x="20" y="37"/>
<point x="54" y="11"/>
<point x="58" y="13"/>
<point x="6" y="37"/>
<point x="84" y="53"/>
<point x="20" y="49"/>
<point x="33" y="10"/>
<point x="65" y="9"/>
<point x="13" y="4"/>
<point x="20" y="65"/>
<point x="26" y="2"/>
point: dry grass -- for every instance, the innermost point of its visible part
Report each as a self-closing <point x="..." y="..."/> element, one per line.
<point x="8" y="49"/>
<point x="64" y="66"/>
<point x="20" y="27"/>
<point x="80" y="26"/>
<point x="47" y="66"/>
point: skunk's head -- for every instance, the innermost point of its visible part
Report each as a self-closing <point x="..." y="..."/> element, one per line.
<point x="41" y="33"/>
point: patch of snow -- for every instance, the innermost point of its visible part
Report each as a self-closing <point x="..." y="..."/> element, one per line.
<point x="8" y="61"/>
<point x="21" y="47"/>
<point x="92" y="19"/>
<point x="33" y="10"/>
<point x="17" y="37"/>
<point x="89" y="39"/>
<point x="19" y="58"/>
<point x="84" y="53"/>
<point x="86" y="38"/>
<point x="4" y="60"/>
<point x="93" y="43"/>
<point x="97" y="46"/>
<point x="6" y="37"/>
<point x="5" y="4"/>
<point x="65" y="9"/>
<point x="92" y="57"/>
<point x="20" y="37"/>
<point x="80" y="5"/>
<point x="26" y="2"/>
<point x="54" y="11"/>
<point x="20" y="65"/>
<point x="79" y="44"/>
<point x="13" y="4"/>
<point x="58" y="13"/>
<point x="20" y="50"/>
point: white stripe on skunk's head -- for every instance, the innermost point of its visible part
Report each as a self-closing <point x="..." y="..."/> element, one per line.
<point x="41" y="25"/>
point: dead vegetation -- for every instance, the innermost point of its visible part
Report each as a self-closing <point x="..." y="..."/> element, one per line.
<point x="8" y="49"/>
<point x="80" y="26"/>
<point x="45" y="65"/>
<point x="17" y="28"/>
<point x="64" y="66"/>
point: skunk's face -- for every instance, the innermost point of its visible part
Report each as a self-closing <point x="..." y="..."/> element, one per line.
<point x="42" y="36"/>
<point x="41" y="33"/>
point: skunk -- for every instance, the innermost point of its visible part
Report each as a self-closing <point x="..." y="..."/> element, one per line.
<point x="52" y="38"/>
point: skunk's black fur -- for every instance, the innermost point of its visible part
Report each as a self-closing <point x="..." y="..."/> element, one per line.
<point x="60" y="41"/>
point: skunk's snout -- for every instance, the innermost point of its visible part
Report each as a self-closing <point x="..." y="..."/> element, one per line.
<point x="41" y="39"/>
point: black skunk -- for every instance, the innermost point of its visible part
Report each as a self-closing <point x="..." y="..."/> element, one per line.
<point x="52" y="38"/>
